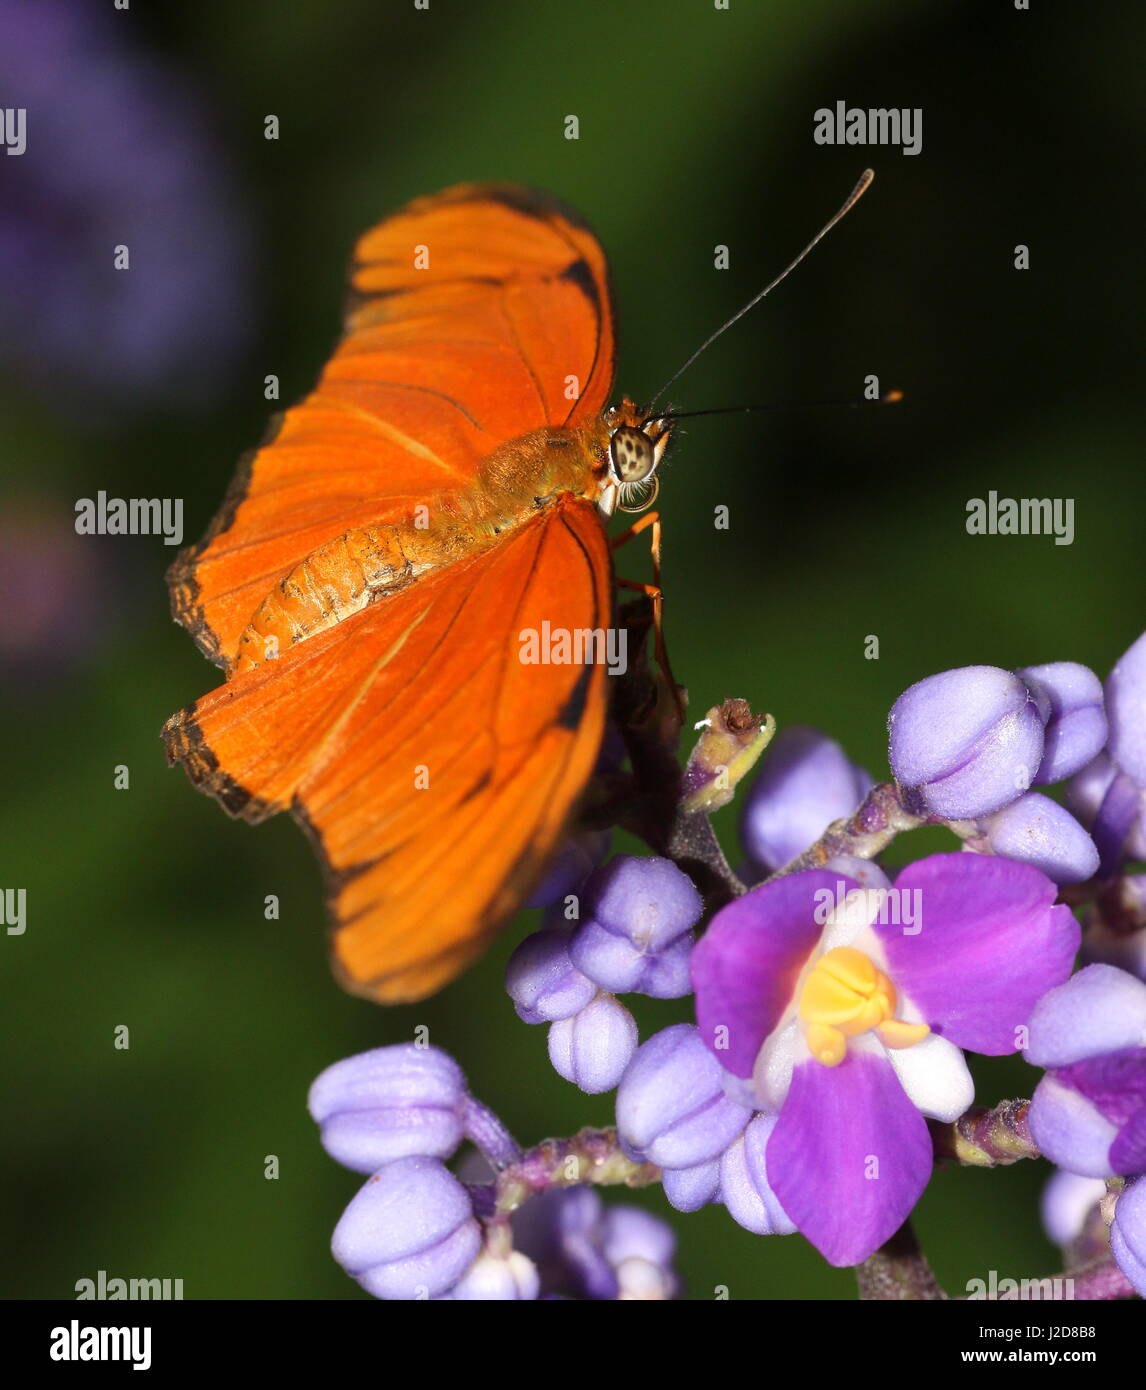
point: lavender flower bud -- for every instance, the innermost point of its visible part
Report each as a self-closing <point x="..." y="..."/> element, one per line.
<point x="1126" y="712"/>
<point x="389" y="1103"/>
<point x="967" y="742"/>
<point x="744" y="1186"/>
<point x="635" y="936"/>
<point x="543" y="982"/>
<point x="508" y="1278"/>
<point x="1036" y="830"/>
<point x="593" y="1048"/>
<point x="672" y="1109"/>
<point x="1076" y="729"/>
<point x="410" y="1231"/>
<point x="806" y="782"/>
<point x="689" y="1189"/>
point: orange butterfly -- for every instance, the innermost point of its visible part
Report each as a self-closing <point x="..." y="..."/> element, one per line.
<point x="364" y="587"/>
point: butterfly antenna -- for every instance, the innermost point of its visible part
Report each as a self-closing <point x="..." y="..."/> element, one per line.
<point x="852" y="199"/>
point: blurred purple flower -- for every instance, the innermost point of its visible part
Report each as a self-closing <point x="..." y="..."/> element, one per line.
<point x="587" y="1250"/>
<point x="806" y="782"/>
<point x="117" y="153"/>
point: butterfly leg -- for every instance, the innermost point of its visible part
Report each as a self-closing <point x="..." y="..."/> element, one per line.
<point x="652" y="521"/>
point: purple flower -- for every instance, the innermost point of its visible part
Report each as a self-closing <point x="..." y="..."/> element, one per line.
<point x="410" y="1232"/>
<point x="1128" y="1234"/>
<point x="1076" y="728"/>
<point x="806" y="782"/>
<point x="672" y="1108"/>
<point x="589" y="1251"/>
<point x="1036" y="830"/>
<point x="118" y="153"/>
<point x="845" y="1010"/>
<point x="593" y="1048"/>
<point x="543" y="982"/>
<point x="635" y="937"/>
<point x="1088" y="1113"/>
<point x="966" y="742"/>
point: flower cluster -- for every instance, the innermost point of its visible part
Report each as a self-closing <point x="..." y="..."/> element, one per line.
<point x="809" y="1081"/>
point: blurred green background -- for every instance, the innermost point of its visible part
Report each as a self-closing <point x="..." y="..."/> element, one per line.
<point x="145" y="906"/>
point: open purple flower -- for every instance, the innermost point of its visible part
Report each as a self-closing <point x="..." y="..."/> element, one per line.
<point x="844" y="1012"/>
<point x="1088" y="1113"/>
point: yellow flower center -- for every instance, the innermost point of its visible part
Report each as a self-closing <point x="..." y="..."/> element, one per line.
<point x="845" y="995"/>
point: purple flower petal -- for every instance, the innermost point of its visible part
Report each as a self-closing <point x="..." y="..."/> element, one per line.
<point x="850" y="1155"/>
<point x="1128" y="1152"/>
<point x="992" y="943"/>
<point x="745" y="967"/>
<point x="1069" y="1130"/>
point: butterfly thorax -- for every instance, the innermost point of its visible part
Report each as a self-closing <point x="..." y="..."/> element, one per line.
<point x="361" y="566"/>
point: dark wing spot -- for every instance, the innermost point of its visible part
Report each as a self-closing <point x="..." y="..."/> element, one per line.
<point x="573" y="710"/>
<point x="579" y="274"/>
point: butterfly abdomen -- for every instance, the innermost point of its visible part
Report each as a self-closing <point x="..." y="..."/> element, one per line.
<point x="334" y="582"/>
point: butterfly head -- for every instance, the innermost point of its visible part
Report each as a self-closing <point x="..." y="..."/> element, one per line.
<point x="637" y="443"/>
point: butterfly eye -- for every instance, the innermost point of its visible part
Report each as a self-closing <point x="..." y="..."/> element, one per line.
<point x="632" y="454"/>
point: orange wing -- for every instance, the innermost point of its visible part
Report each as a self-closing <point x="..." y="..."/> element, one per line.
<point x="469" y="314"/>
<point x="423" y="687"/>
